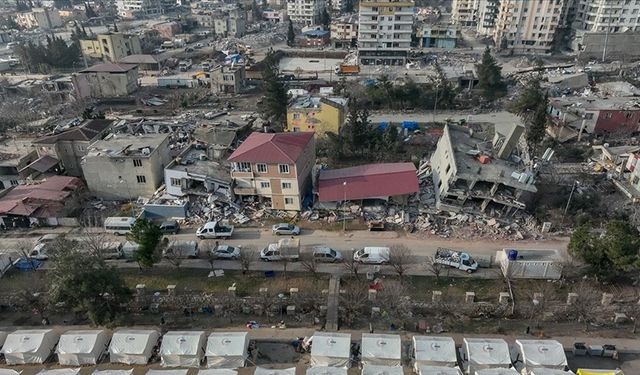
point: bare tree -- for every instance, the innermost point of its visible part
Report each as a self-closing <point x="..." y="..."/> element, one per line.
<point x="246" y="257"/>
<point x="95" y="243"/>
<point x="434" y="267"/>
<point x="267" y="300"/>
<point x="353" y="302"/>
<point x="586" y="306"/>
<point x="393" y="298"/>
<point x="632" y="310"/>
<point x="172" y="256"/>
<point x="309" y="263"/>
<point x="351" y="265"/>
<point x="36" y="302"/>
<point x="209" y="248"/>
<point x="400" y="259"/>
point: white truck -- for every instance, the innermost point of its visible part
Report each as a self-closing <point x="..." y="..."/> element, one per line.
<point x="285" y="249"/>
<point x="214" y="229"/>
<point x="456" y="259"/>
<point x="185" y="65"/>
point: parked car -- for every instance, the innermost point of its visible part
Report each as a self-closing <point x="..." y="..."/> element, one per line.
<point x="170" y="227"/>
<point x="285" y="229"/>
<point x="226" y="252"/>
<point x="42" y="246"/>
<point x="326" y="254"/>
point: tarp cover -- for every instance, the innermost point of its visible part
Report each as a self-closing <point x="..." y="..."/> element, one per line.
<point x="486" y="353"/>
<point x="436" y="351"/>
<point x="598" y="372"/>
<point x="29" y="346"/>
<point x="77" y="348"/>
<point x="218" y="371"/>
<point x="381" y="370"/>
<point x="542" y="353"/>
<point x="331" y="349"/>
<point x="282" y="371"/>
<point x="380" y="349"/>
<point x="3" y="336"/>
<point x="60" y="371"/>
<point x="168" y="372"/>
<point x="182" y="348"/>
<point x="227" y="349"/>
<point x="326" y="370"/>
<point x="549" y="371"/>
<point x="497" y="371"/>
<point x="113" y="372"/>
<point x="132" y="346"/>
<point x="6" y="371"/>
<point x="439" y="370"/>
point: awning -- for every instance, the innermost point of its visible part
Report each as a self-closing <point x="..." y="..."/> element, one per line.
<point x="43" y="163"/>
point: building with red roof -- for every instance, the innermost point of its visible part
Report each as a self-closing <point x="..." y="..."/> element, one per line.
<point x="275" y="167"/>
<point x="370" y="181"/>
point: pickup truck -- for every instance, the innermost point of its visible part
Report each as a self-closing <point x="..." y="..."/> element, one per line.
<point x="456" y="259"/>
<point x="285" y="249"/>
<point x="42" y="246"/>
<point x="214" y="229"/>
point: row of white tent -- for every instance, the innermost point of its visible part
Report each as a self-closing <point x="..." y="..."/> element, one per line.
<point x="223" y="350"/>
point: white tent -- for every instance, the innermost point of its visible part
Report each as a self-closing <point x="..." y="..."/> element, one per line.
<point x="132" y="346"/>
<point x="331" y="349"/>
<point x="549" y="371"/>
<point x="218" y="371"/>
<point x="77" y="348"/>
<point x="168" y="372"/>
<point x="227" y="349"/>
<point x="6" y="371"/>
<point x="482" y="353"/>
<point x="434" y="351"/>
<point x="282" y="371"/>
<point x="113" y="372"/>
<point x="60" y="371"/>
<point x="182" y="348"/>
<point x="3" y="337"/>
<point x="497" y="371"/>
<point x="326" y="370"/>
<point x="542" y="353"/>
<point x="29" y="346"/>
<point x="380" y="349"/>
<point x="381" y="370"/>
<point x="438" y="370"/>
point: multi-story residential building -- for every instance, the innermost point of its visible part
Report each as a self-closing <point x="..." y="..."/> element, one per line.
<point x="384" y="32"/>
<point x="305" y="12"/>
<point x="437" y="36"/>
<point x="111" y="47"/>
<point x="275" y="168"/>
<point x="275" y="16"/>
<point x="43" y="18"/>
<point x="465" y="12"/>
<point x="316" y="114"/>
<point x="486" y="16"/>
<point x="15" y="158"/>
<point x="126" y="166"/>
<point x="106" y="81"/>
<point x="616" y="16"/>
<point x="528" y="26"/>
<point x="70" y="146"/>
<point x="229" y="22"/>
<point x="227" y="79"/>
<point x="192" y="173"/>
<point x="344" y="31"/>
<point x="139" y="8"/>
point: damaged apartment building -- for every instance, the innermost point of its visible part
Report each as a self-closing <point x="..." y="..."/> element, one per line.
<point x="474" y="172"/>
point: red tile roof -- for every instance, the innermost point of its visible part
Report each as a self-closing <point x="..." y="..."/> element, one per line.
<point x="368" y="181"/>
<point x="47" y="196"/>
<point x="272" y="147"/>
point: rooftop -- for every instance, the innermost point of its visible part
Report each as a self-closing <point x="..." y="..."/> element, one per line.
<point x="87" y="131"/>
<point x="44" y="199"/>
<point x="141" y="59"/>
<point x="127" y="145"/>
<point x="194" y="161"/>
<point x="314" y="101"/>
<point x="272" y="147"/>
<point x="109" y="68"/>
<point x="12" y="150"/>
<point x="595" y="103"/>
<point x="216" y="135"/>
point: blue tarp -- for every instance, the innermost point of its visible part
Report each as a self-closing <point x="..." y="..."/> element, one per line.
<point x="369" y="82"/>
<point x="315" y="33"/>
<point x="383" y="125"/>
<point x="411" y="125"/>
<point x="27" y="265"/>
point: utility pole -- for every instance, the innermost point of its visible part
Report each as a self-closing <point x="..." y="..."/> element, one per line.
<point x="344" y="209"/>
<point x="573" y="188"/>
<point x="606" y="37"/>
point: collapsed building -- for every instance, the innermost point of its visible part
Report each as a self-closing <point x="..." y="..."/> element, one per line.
<point x="473" y="173"/>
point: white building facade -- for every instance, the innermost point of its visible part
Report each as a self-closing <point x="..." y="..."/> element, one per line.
<point x="305" y="12"/>
<point x="384" y="33"/>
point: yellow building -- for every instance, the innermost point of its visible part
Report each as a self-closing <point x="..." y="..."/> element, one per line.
<point x="111" y="47"/>
<point x="316" y="114"/>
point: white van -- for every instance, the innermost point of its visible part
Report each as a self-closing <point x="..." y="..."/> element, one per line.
<point x="181" y="249"/>
<point x="119" y="225"/>
<point x="112" y="250"/>
<point x="372" y="255"/>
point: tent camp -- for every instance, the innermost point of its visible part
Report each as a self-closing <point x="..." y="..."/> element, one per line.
<point x="542" y="354"/>
<point x="29" y="346"/>
<point x="326" y="370"/>
<point x="598" y="372"/>
<point x="434" y="351"/>
<point x="331" y="349"/>
<point x="77" y="348"/>
<point x="497" y="371"/>
<point x="218" y="371"/>
<point x="132" y="346"/>
<point x="182" y="348"/>
<point x="380" y="349"/>
<point x="168" y="372"/>
<point x="227" y="349"/>
<point x="381" y="370"/>
<point x="479" y="353"/>
<point x="549" y="371"/>
<point x="60" y="371"/>
<point x="267" y="371"/>
<point x="112" y="372"/>
<point x="438" y="370"/>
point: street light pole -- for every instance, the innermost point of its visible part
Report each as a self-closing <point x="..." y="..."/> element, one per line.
<point x="569" y="200"/>
<point x="344" y="209"/>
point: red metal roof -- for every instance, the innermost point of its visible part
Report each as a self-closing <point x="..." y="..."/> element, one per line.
<point x="47" y="196"/>
<point x="272" y="147"/>
<point x="368" y="181"/>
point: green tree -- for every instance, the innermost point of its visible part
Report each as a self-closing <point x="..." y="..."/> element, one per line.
<point x="8" y="23"/>
<point x="276" y="99"/>
<point x="536" y="127"/>
<point x="446" y="94"/>
<point x="147" y="235"/>
<point x="490" y="77"/>
<point x="291" y="35"/>
<point x="528" y="100"/>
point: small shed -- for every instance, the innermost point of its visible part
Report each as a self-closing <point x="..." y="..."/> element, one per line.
<point x="82" y="347"/>
<point x="29" y="346"/>
<point x="381" y="349"/>
<point x="497" y="371"/>
<point x="381" y="370"/>
<point x="227" y="349"/>
<point x="542" y="354"/>
<point x="530" y="264"/>
<point x="132" y="346"/>
<point x="182" y="348"/>
<point x="268" y="371"/>
<point x="434" y="351"/>
<point x="438" y="370"/>
<point x="331" y="349"/>
<point x="326" y="370"/>
<point x="7" y="371"/>
<point x="480" y="354"/>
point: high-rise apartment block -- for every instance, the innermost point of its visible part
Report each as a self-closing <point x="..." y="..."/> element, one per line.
<point x="384" y="33"/>
<point x="305" y="12"/>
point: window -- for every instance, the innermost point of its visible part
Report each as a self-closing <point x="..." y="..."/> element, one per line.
<point x="286" y="185"/>
<point x="176" y="182"/>
<point x="288" y="201"/>
<point x="265" y="185"/>
<point x="243" y="166"/>
<point x="296" y="116"/>
<point x="284" y="168"/>
<point x="141" y="179"/>
<point x="137" y="163"/>
<point x="262" y="168"/>
<point x="14" y="182"/>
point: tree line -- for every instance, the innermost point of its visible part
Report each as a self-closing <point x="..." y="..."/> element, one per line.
<point x="54" y="53"/>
